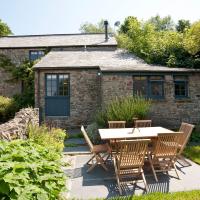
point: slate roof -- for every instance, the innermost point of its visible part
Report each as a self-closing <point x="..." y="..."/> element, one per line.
<point x="56" y="40"/>
<point x="118" y="60"/>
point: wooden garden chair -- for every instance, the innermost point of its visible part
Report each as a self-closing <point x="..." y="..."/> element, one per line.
<point x="142" y="123"/>
<point x="163" y="157"/>
<point x="187" y="131"/>
<point x="100" y="153"/>
<point x="115" y="124"/>
<point x="129" y="160"/>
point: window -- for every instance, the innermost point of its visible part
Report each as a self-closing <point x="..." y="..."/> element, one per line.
<point x="149" y="86"/>
<point x="34" y="55"/>
<point x="180" y="87"/>
<point x="140" y="85"/>
<point x="57" y="85"/>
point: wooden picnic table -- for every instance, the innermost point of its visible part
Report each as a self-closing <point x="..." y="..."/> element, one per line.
<point x="132" y="133"/>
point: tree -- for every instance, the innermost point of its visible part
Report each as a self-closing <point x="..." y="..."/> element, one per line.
<point x="182" y="25"/>
<point x="192" y="39"/>
<point x="128" y="24"/>
<point x="94" y="28"/>
<point x="4" y="29"/>
<point x="156" y="45"/>
<point x="162" y="24"/>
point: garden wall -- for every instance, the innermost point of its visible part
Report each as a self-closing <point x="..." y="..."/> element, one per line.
<point x="16" y="128"/>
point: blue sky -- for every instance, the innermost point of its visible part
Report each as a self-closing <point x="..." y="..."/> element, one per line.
<point x="65" y="16"/>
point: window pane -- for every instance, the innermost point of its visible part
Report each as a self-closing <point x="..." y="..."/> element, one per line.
<point x="48" y="85"/>
<point x="66" y="84"/>
<point x="140" y="85"/>
<point x="63" y="84"/>
<point x="180" y="89"/>
<point x="40" y="53"/>
<point x="156" y="89"/>
<point x="181" y="86"/>
<point x="54" y="85"/>
<point x="34" y="55"/>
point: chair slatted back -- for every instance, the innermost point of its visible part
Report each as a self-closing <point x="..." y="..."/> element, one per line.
<point x="87" y="139"/>
<point x="167" y="145"/>
<point x="116" y="124"/>
<point x="131" y="153"/>
<point x="187" y="130"/>
<point x="142" y="123"/>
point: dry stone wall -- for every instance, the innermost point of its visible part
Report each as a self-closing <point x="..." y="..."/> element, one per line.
<point x="16" y="128"/>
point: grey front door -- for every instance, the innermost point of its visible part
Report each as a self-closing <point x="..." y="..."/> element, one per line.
<point x="57" y="98"/>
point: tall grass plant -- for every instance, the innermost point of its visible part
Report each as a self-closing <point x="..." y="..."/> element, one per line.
<point x="124" y="108"/>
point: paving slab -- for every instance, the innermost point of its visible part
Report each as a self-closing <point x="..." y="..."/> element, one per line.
<point x="101" y="184"/>
<point x="76" y="150"/>
<point x="73" y="131"/>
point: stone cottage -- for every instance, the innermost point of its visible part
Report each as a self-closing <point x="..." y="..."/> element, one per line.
<point x="86" y="71"/>
<point x="71" y="85"/>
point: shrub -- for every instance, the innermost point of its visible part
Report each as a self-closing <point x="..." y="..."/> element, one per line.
<point x="29" y="171"/>
<point x="52" y="139"/>
<point x="26" y="99"/>
<point x="193" y="153"/>
<point x="8" y="108"/>
<point x="124" y="108"/>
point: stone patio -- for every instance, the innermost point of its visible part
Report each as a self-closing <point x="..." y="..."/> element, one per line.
<point x="101" y="184"/>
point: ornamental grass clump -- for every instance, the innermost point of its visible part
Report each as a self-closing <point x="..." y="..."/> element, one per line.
<point x="124" y="108"/>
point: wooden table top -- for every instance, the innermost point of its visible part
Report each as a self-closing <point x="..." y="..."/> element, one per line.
<point x="120" y="133"/>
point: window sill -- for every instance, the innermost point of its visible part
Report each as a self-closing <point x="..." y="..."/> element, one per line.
<point x="183" y="100"/>
<point x="57" y="117"/>
<point x="158" y="100"/>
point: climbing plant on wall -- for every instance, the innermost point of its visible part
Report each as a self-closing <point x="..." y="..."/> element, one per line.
<point x="24" y="73"/>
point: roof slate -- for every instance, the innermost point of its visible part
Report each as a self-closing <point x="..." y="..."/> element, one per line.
<point x="57" y="40"/>
<point x="118" y="60"/>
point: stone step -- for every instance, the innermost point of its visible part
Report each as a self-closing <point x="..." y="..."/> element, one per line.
<point x="79" y="150"/>
<point x="72" y="132"/>
<point x="78" y="141"/>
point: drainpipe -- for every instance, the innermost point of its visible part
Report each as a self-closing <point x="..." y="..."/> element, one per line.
<point x="106" y="30"/>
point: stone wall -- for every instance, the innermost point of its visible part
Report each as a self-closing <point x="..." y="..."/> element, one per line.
<point x="115" y="85"/>
<point x="17" y="56"/>
<point x="84" y="97"/>
<point x="168" y="112"/>
<point x="16" y="128"/>
<point x="7" y="88"/>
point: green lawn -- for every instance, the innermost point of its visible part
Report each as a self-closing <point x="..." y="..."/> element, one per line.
<point x="191" y="195"/>
<point x="193" y="153"/>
